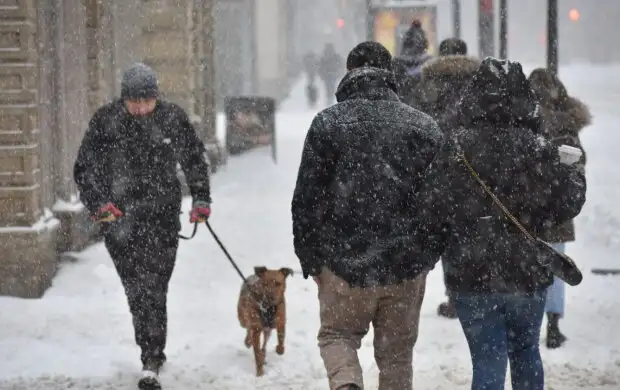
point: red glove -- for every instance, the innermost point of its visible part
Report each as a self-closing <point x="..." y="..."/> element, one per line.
<point x="200" y="212"/>
<point x="108" y="213"/>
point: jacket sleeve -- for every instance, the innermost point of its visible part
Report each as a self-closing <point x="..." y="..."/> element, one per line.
<point x="560" y="191"/>
<point x="193" y="159"/>
<point x="311" y="192"/>
<point x="91" y="169"/>
<point x="434" y="208"/>
<point x="567" y="136"/>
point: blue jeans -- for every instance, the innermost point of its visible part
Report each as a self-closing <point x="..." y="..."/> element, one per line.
<point x="555" y="292"/>
<point x="501" y="328"/>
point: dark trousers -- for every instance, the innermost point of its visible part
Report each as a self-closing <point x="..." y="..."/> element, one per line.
<point x="144" y="253"/>
<point x="501" y="328"/>
<point x="330" y="91"/>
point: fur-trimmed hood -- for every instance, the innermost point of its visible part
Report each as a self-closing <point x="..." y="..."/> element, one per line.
<point x="455" y="67"/>
<point x="443" y="80"/>
<point x="562" y="113"/>
<point x="570" y="117"/>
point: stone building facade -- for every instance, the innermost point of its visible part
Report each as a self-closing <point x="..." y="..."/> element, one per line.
<point x="60" y="60"/>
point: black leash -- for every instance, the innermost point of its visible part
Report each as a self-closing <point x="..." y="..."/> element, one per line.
<point x="267" y="312"/>
<point x="182" y="237"/>
<point x="228" y="256"/>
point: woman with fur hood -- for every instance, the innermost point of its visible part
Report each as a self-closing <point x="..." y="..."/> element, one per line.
<point x="443" y="81"/>
<point x="563" y="118"/>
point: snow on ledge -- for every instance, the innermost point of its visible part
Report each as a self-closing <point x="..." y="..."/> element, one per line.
<point x="46" y="222"/>
<point x="63" y="206"/>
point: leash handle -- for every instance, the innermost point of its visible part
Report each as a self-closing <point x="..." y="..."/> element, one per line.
<point x="182" y="237"/>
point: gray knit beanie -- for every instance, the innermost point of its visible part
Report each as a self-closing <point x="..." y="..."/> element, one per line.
<point x="139" y="82"/>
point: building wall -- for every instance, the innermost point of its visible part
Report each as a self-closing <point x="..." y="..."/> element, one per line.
<point x="60" y="60"/>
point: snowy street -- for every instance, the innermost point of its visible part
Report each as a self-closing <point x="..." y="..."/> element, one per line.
<point x="79" y="335"/>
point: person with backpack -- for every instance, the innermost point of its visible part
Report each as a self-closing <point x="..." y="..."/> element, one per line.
<point x="497" y="274"/>
<point x="408" y="65"/>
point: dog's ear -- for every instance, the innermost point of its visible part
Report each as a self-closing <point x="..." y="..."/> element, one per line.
<point x="286" y="271"/>
<point x="259" y="271"/>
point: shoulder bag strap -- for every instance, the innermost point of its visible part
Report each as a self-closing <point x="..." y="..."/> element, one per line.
<point x="507" y="213"/>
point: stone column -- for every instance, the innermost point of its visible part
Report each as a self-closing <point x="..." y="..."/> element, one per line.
<point x="177" y="41"/>
<point x="70" y="104"/>
<point x="27" y="232"/>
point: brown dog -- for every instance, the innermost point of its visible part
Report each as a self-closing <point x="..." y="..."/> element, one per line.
<point x="261" y="309"/>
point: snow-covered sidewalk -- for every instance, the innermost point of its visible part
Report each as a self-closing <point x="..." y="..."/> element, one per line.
<point x="79" y="335"/>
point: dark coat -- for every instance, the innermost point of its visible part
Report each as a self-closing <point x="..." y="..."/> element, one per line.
<point x="484" y="252"/>
<point x="563" y="119"/>
<point x="361" y="164"/>
<point x="443" y="82"/>
<point x="132" y="162"/>
<point x="408" y="73"/>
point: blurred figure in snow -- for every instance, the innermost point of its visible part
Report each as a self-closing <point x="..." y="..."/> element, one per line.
<point x="126" y="172"/>
<point x="311" y="63"/>
<point x="353" y="221"/>
<point x="493" y="273"/>
<point x="331" y="68"/>
<point x="443" y="80"/>
<point x="408" y="66"/>
<point x="563" y="118"/>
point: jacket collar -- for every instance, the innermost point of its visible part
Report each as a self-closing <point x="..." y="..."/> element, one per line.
<point x="367" y="83"/>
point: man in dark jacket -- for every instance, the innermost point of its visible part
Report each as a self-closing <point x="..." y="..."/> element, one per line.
<point x="441" y="86"/>
<point x="126" y="172"/>
<point x="408" y="65"/>
<point x="498" y="284"/>
<point x="353" y="220"/>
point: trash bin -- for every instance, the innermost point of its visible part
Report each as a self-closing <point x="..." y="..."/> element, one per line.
<point x="250" y="123"/>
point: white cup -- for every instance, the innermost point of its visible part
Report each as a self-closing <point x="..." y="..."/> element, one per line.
<point x="569" y="154"/>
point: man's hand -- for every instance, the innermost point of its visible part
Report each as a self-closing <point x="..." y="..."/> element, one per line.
<point x="201" y="211"/>
<point x="108" y="213"/>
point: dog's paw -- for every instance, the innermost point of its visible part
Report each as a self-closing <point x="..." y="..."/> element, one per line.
<point x="260" y="372"/>
<point x="280" y="349"/>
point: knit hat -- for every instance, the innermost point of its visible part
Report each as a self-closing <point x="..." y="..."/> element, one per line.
<point x="452" y="47"/>
<point x="415" y="41"/>
<point x="139" y="82"/>
<point x="371" y="54"/>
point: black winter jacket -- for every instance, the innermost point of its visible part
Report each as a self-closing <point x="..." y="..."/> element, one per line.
<point x="484" y="252"/>
<point x="408" y="73"/>
<point x="132" y="162"/>
<point x="361" y="164"/>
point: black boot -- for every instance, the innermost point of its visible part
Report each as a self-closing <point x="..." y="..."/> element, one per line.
<point x="555" y="338"/>
<point x="447" y="309"/>
<point x="150" y="374"/>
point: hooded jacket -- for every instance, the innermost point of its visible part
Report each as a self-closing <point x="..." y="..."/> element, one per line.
<point x="443" y="82"/>
<point x="498" y="132"/>
<point x="361" y="164"/>
<point x="408" y="65"/>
